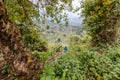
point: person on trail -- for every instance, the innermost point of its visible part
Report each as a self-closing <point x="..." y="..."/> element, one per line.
<point x="65" y="48"/>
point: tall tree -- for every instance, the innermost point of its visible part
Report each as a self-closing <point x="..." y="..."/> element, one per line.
<point x="100" y="20"/>
<point x="21" y="62"/>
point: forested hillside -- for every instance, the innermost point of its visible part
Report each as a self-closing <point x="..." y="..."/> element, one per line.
<point x="39" y="40"/>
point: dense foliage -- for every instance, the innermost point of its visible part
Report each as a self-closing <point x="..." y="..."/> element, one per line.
<point x="100" y="19"/>
<point x="34" y="41"/>
<point x="28" y="12"/>
<point x="22" y="11"/>
<point x="81" y="61"/>
<point x="86" y="65"/>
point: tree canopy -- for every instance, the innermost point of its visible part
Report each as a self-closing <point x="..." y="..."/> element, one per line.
<point x="25" y="12"/>
<point x="100" y="19"/>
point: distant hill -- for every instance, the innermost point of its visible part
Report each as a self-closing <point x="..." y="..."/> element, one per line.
<point x="54" y="32"/>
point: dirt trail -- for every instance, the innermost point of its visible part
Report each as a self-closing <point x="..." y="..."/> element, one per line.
<point x="56" y="57"/>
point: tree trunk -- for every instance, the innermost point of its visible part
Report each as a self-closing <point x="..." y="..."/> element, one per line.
<point x="21" y="62"/>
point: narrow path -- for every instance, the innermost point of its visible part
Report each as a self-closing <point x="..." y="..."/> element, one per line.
<point x="56" y="56"/>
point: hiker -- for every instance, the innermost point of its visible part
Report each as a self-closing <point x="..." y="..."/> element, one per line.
<point x="65" y="48"/>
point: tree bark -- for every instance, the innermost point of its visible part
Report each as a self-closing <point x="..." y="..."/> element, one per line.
<point x="21" y="62"/>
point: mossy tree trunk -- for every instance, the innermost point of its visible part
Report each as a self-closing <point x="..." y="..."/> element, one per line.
<point x="21" y="62"/>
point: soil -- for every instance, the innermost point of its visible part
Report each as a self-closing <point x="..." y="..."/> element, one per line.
<point x="56" y="56"/>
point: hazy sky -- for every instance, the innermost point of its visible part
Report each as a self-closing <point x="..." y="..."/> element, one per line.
<point x="74" y="18"/>
<point x="76" y="3"/>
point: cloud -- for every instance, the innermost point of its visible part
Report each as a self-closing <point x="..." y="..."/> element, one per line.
<point x="76" y="3"/>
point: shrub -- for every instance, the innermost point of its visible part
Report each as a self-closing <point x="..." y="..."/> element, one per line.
<point x="5" y="69"/>
<point x="83" y="41"/>
<point x="100" y="66"/>
<point x="69" y="66"/>
<point x="89" y="65"/>
<point x="100" y="18"/>
<point x="34" y="41"/>
<point x="42" y="56"/>
<point x="74" y="40"/>
<point x="57" y="48"/>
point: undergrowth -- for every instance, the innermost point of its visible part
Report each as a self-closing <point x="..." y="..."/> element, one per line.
<point x="87" y="64"/>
